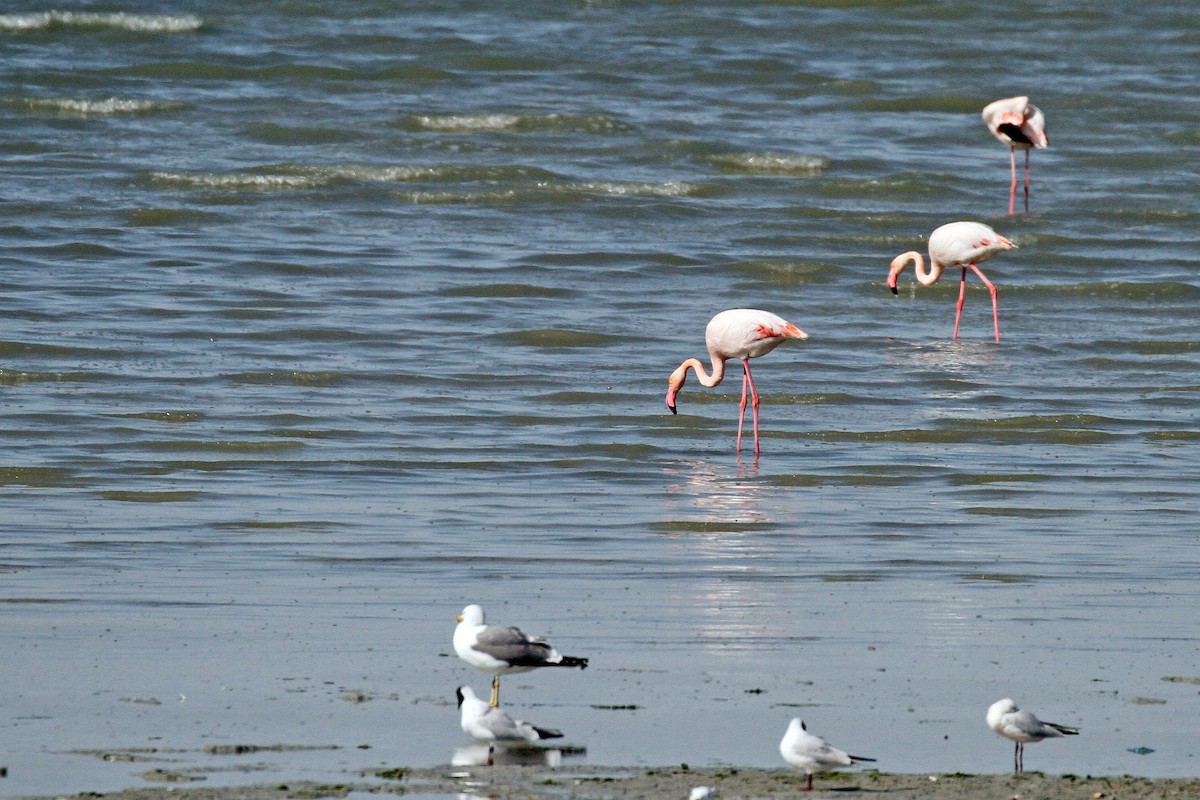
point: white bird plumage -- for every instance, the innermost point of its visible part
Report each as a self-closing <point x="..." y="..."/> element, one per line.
<point x="487" y="723"/>
<point x="1011" y="722"/>
<point x="1022" y="126"/>
<point x="811" y="753"/>
<point x="500" y="650"/>
<point x="742" y="333"/>
<point x="956" y="244"/>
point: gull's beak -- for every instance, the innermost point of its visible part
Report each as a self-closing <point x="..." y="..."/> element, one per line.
<point x="459" y="618"/>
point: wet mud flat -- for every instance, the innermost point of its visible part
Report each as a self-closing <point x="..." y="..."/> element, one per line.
<point x="540" y="783"/>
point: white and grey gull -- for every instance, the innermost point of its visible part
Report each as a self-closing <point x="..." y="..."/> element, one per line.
<point x="502" y="650"/>
<point x="490" y="724"/>
<point x="1011" y="722"/>
<point x="811" y="753"/>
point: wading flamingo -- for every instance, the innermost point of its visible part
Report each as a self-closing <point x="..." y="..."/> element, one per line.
<point x="1012" y="723"/>
<point x="743" y="333"/>
<point x="955" y="244"/>
<point x="812" y="753"/>
<point x="1019" y="125"/>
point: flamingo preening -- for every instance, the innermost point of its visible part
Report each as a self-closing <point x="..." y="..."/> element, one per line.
<point x="1019" y="125"/>
<point x="955" y="244"/>
<point x="743" y="333"/>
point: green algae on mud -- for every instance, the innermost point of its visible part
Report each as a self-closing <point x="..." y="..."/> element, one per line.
<point x="543" y="783"/>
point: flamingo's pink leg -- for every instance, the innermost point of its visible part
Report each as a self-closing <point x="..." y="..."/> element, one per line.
<point x="995" y="302"/>
<point x="753" y="400"/>
<point x="962" y="295"/>
<point x="1027" y="181"/>
<point x="1012" y="190"/>
<point x="742" y="408"/>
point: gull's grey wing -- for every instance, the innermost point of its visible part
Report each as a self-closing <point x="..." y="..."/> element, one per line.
<point x="511" y="645"/>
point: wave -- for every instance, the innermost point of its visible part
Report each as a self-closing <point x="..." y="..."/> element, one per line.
<point x="141" y="23"/>
<point x="108" y="107"/>
<point x="237" y="181"/>
<point x="303" y="177"/>
<point x="770" y="163"/>
<point x="503" y="183"/>
<point x="471" y="123"/>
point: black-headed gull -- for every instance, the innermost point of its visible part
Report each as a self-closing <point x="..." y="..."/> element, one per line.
<point x="1012" y="723"/>
<point x="502" y="650"/>
<point x="491" y="724"/>
<point x="811" y="753"/>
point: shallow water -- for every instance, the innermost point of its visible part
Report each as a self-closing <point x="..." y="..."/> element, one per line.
<point x="320" y="323"/>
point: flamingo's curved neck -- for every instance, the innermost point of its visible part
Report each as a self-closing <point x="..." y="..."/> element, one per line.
<point x="718" y="371"/>
<point x="927" y="276"/>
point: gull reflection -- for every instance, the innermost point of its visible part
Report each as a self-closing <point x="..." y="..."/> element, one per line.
<point x="481" y="754"/>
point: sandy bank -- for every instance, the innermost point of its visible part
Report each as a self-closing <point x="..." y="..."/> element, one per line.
<point x="541" y="783"/>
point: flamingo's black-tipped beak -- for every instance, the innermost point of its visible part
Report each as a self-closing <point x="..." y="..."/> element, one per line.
<point x="673" y="409"/>
<point x="895" y="290"/>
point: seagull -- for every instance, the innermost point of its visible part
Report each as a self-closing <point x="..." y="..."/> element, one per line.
<point x="1021" y="726"/>
<point x="502" y="650"/>
<point x="491" y="724"/>
<point x="809" y="752"/>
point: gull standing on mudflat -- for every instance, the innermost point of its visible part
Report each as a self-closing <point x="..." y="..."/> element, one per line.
<point x="1021" y="726"/>
<point x="491" y="724"/>
<point x="811" y="753"/>
<point x="502" y="650"/>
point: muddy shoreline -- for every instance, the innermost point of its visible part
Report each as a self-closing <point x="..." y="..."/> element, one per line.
<point x="600" y="783"/>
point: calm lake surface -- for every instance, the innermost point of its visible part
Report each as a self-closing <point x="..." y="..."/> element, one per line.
<point x="320" y="321"/>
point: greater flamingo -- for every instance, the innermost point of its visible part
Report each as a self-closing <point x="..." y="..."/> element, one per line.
<point x="810" y="752"/>
<point x="1019" y="125"/>
<point x="955" y="244"/>
<point x="743" y="333"/>
<point x="1021" y="726"/>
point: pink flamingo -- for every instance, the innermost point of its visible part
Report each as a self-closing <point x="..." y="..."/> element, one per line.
<point x="743" y="333"/>
<point x="1019" y="125"/>
<point x="955" y="244"/>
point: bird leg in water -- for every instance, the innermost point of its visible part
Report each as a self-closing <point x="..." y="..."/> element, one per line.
<point x="1012" y="191"/>
<point x="753" y="401"/>
<point x="995" y="300"/>
<point x="495" y="701"/>
<point x="962" y="295"/>
<point x="742" y="408"/>
<point x="1026" y="181"/>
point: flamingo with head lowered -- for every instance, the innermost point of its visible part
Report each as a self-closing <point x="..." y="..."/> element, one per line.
<point x="1019" y="125"/>
<point x="955" y="244"/>
<point x="743" y="333"/>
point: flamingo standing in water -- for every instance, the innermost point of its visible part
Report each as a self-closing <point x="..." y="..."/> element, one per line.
<point x="1020" y="126"/>
<point x="743" y="333"/>
<point x="955" y="244"/>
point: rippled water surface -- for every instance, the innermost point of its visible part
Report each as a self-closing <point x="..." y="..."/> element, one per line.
<point x="320" y="321"/>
